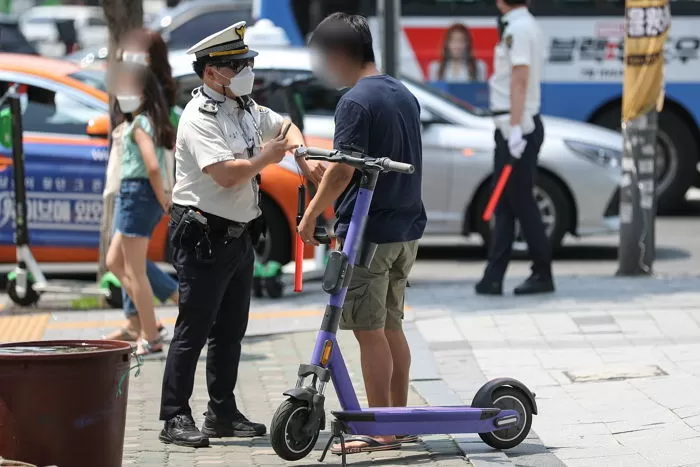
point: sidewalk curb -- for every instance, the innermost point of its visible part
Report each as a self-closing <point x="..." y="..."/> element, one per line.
<point x="427" y="382"/>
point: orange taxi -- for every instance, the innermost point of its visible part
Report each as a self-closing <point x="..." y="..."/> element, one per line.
<point x="66" y="149"/>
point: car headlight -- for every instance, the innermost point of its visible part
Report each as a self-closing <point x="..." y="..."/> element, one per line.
<point x="606" y="157"/>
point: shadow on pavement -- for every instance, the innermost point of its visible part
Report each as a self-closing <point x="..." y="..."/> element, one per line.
<point x="419" y="454"/>
<point x="572" y="291"/>
<point x="569" y="252"/>
<point x="689" y="208"/>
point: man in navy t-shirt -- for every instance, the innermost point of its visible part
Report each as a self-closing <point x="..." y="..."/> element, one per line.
<point x="380" y="118"/>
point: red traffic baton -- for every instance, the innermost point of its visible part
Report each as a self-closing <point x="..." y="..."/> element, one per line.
<point x="497" y="192"/>
<point x="299" y="246"/>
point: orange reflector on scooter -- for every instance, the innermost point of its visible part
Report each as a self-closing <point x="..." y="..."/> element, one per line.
<point x="326" y="355"/>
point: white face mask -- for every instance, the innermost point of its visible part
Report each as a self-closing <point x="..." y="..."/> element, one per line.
<point x="242" y="83"/>
<point x="129" y="103"/>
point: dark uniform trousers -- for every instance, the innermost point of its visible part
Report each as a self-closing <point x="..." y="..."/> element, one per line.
<point x="518" y="202"/>
<point x="214" y="305"/>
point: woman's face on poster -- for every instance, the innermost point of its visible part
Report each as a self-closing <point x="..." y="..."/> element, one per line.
<point x="457" y="44"/>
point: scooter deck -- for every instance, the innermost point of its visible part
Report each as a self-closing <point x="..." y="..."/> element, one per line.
<point x="68" y="288"/>
<point x="379" y="421"/>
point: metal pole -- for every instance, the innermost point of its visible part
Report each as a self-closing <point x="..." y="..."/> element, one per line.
<point x="637" y="197"/>
<point x="642" y="98"/>
<point x="21" y="229"/>
<point x="390" y="12"/>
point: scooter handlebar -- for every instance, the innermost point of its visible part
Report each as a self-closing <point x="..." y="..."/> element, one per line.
<point x="382" y="163"/>
<point x="318" y="153"/>
<point x="393" y="166"/>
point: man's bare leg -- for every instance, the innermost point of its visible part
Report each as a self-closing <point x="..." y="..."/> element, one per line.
<point x="401" y="362"/>
<point x="377" y="368"/>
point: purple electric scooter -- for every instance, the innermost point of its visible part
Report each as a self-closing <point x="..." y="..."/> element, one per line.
<point x="501" y="411"/>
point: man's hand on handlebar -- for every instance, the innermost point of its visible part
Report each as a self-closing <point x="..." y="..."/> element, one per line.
<point x="306" y="229"/>
<point x="313" y="170"/>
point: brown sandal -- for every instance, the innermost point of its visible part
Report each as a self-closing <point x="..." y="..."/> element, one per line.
<point x="129" y="335"/>
<point x="123" y="334"/>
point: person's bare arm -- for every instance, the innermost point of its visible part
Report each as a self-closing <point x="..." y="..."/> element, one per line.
<point x="313" y="170"/>
<point x="237" y="171"/>
<point x="234" y="172"/>
<point x="214" y="156"/>
<point x="521" y="50"/>
<point x="518" y="90"/>
<point x="335" y="181"/>
<point x="150" y="160"/>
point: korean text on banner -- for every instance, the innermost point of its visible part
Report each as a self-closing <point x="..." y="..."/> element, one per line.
<point x="647" y="24"/>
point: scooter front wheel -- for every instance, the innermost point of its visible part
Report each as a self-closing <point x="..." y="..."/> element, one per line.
<point x="287" y="436"/>
<point x="31" y="296"/>
<point x="507" y="398"/>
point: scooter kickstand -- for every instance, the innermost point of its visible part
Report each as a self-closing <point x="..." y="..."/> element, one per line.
<point x="336" y="432"/>
<point x="328" y="446"/>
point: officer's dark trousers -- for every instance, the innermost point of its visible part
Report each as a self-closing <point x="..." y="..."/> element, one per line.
<point x="518" y="202"/>
<point x="214" y="305"/>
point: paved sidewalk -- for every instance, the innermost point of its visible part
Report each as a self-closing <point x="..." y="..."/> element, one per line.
<point x="615" y="364"/>
<point x="268" y="368"/>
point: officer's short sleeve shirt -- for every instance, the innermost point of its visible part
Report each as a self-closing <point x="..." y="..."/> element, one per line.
<point x="520" y="45"/>
<point x="204" y="136"/>
<point x="270" y="122"/>
<point x="212" y="133"/>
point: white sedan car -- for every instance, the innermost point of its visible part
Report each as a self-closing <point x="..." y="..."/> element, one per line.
<point x="579" y="165"/>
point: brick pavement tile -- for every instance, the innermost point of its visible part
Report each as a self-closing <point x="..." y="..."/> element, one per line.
<point x="268" y="367"/>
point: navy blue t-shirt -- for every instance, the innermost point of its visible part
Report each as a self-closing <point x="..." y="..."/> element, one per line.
<point x="382" y="118"/>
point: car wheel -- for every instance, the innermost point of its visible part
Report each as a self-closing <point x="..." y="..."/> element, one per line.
<point x="554" y="205"/>
<point x="676" y="160"/>
<point x="277" y="243"/>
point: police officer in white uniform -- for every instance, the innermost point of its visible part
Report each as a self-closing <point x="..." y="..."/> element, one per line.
<point x="515" y="104"/>
<point x="215" y="221"/>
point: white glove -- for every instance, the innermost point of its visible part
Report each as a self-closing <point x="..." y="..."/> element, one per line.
<point x="516" y="143"/>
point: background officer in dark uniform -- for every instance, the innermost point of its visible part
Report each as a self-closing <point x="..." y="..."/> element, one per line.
<point x="214" y="221"/>
<point x="515" y="102"/>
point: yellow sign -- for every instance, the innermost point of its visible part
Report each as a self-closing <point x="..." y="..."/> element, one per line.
<point x="647" y="24"/>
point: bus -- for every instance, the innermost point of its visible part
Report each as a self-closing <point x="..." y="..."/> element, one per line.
<point x="582" y="76"/>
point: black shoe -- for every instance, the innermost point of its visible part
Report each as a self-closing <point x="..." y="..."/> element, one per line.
<point x="535" y="284"/>
<point x="182" y="431"/>
<point x="238" y="426"/>
<point x="484" y="287"/>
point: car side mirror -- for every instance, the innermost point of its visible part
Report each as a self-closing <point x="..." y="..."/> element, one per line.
<point x="98" y="127"/>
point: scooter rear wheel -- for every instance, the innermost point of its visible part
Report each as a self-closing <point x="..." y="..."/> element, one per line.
<point x="114" y="296"/>
<point x="287" y="437"/>
<point x="274" y="287"/>
<point x="507" y="398"/>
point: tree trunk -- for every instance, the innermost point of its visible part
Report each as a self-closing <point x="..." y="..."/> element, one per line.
<point x="121" y="16"/>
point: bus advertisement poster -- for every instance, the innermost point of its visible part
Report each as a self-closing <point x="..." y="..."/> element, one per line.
<point x="648" y="22"/>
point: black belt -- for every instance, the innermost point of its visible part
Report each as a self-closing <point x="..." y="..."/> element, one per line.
<point x="498" y="113"/>
<point x="216" y="224"/>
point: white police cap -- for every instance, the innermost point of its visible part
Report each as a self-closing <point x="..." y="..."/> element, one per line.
<point x="227" y="44"/>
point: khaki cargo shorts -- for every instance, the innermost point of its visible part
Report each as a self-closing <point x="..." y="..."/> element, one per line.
<point x="375" y="297"/>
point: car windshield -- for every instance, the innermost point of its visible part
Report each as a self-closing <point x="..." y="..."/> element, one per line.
<point x="92" y="77"/>
<point x="448" y="97"/>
